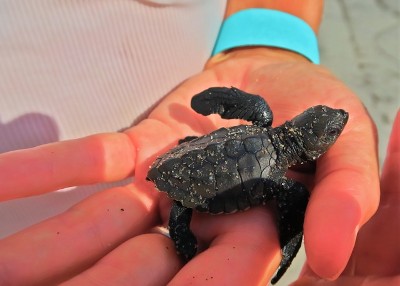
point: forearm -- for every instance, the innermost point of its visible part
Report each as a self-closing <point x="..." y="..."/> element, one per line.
<point x="308" y="10"/>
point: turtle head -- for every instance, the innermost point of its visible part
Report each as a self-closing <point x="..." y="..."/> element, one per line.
<point x="320" y="126"/>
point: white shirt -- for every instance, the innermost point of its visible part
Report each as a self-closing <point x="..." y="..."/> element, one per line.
<point x="74" y="68"/>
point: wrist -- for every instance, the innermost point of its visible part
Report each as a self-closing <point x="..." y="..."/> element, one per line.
<point x="309" y="11"/>
<point x="259" y="27"/>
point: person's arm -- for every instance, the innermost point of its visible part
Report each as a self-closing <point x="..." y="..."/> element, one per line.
<point x="106" y="237"/>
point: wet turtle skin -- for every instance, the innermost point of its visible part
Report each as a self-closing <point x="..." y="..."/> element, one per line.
<point x="233" y="169"/>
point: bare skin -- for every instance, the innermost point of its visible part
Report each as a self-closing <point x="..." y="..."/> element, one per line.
<point x="106" y="239"/>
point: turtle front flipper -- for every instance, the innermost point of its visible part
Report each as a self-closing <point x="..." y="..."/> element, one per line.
<point x="292" y="198"/>
<point x="232" y="103"/>
<point x="187" y="139"/>
<point x="179" y="230"/>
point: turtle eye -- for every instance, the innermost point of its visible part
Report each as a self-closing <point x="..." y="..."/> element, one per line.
<point x="333" y="131"/>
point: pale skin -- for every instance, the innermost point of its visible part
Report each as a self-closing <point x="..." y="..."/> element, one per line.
<point x="107" y="239"/>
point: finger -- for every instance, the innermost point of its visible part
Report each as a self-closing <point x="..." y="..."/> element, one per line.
<point x="76" y="162"/>
<point x="345" y="196"/>
<point x="394" y="141"/>
<point x="391" y="169"/>
<point x="89" y="160"/>
<point x="72" y="241"/>
<point x="244" y="250"/>
<point x="382" y="231"/>
<point x="147" y="259"/>
<point x="353" y="281"/>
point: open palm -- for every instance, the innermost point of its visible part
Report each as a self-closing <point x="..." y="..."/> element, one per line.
<point x="107" y="239"/>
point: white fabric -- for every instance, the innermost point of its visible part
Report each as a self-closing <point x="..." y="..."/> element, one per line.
<point x="73" y="68"/>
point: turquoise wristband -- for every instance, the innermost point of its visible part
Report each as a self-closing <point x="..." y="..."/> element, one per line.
<point x="272" y="28"/>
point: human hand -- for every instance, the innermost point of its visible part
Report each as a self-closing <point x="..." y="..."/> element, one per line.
<point x="376" y="256"/>
<point x="107" y="238"/>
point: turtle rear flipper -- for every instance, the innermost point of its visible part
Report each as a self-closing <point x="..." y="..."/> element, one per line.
<point x="292" y="199"/>
<point x="179" y="230"/>
<point x="232" y="103"/>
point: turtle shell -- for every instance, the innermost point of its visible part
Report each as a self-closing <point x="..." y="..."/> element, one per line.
<point x="219" y="172"/>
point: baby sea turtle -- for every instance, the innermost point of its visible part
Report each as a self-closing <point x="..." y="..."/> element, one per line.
<point x="239" y="167"/>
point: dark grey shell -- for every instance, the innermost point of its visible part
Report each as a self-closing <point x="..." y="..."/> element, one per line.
<point x="219" y="172"/>
<point x="235" y="168"/>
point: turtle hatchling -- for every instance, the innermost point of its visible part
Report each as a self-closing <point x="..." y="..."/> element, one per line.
<point x="236" y="168"/>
